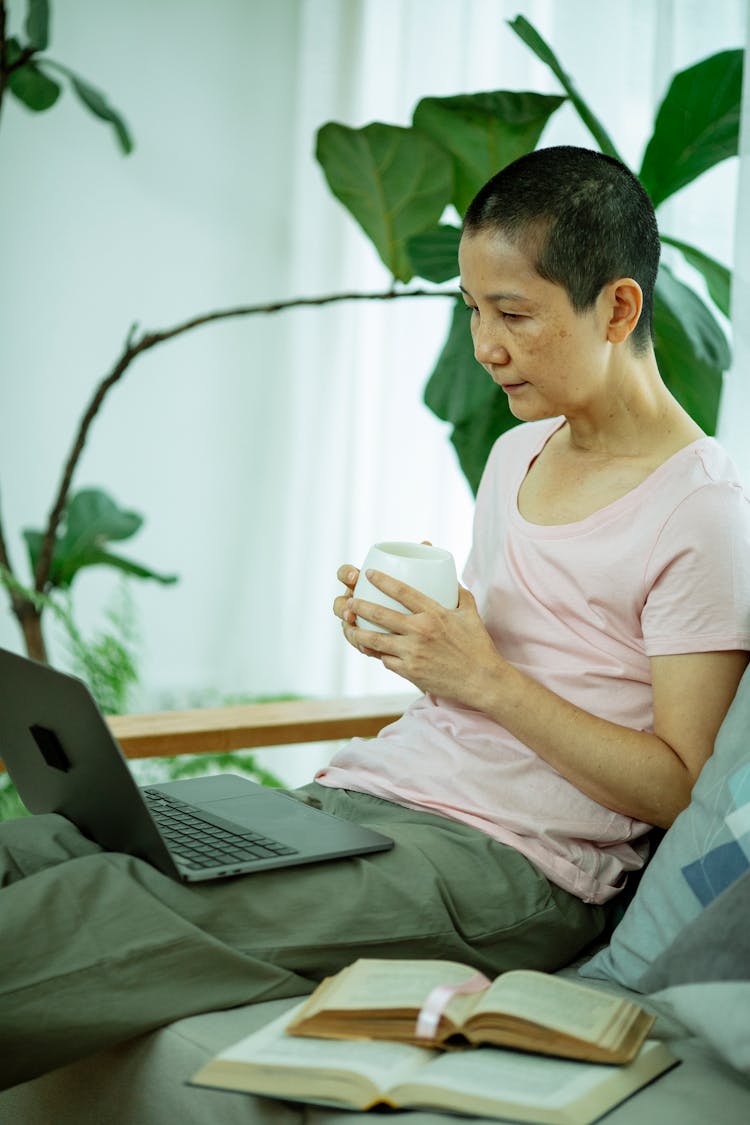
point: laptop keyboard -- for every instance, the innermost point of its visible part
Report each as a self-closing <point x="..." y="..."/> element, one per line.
<point x="203" y="840"/>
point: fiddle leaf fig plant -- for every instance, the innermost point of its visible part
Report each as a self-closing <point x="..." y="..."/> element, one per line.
<point x="92" y="520"/>
<point x="26" y="73"/>
<point x="695" y="128"/>
<point x="394" y="183"/>
<point x="81" y="526"/>
<point x="482" y="132"/>
<point x="697" y="125"/>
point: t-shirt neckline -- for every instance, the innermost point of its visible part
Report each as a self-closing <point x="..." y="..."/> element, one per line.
<point x="601" y="515"/>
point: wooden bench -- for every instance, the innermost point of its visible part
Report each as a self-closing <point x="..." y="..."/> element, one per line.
<point x="247" y="726"/>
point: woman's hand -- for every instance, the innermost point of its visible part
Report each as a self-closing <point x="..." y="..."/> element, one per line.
<point x="445" y="652"/>
<point x="348" y="575"/>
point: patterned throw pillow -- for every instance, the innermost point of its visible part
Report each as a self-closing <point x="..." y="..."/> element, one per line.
<point x="704" y="852"/>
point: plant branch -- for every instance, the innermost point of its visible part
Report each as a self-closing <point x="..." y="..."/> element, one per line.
<point x="7" y="574"/>
<point x="133" y="348"/>
<point x="293" y="303"/>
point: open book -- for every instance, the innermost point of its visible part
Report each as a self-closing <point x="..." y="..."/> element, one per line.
<point x="524" y="1009"/>
<point x="486" y="1081"/>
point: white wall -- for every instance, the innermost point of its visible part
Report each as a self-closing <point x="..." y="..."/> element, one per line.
<point x="265" y="452"/>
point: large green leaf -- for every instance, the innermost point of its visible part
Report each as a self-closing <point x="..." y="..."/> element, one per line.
<point x="91" y="521"/>
<point x="28" y="83"/>
<point x="691" y="349"/>
<point x="434" y="254"/>
<point x="543" y="51"/>
<point x="697" y="125"/>
<point x="396" y="182"/>
<point x="473" y="439"/>
<point x="484" y="132"/>
<point x="458" y="384"/>
<point x="702" y="329"/>
<point x="718" y="277"/>
<point x="461" y="392"/>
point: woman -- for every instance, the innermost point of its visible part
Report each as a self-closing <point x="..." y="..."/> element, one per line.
<point x="586" y="674"/>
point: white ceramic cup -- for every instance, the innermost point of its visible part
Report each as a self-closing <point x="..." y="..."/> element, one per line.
<point x="431" y="570"/>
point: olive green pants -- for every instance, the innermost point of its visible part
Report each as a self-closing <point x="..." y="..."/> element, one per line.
<point x="98" y="947"/>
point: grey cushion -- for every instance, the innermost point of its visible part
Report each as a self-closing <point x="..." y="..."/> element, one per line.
<point x="703" y="978"/>
<point x="714" y="946"/>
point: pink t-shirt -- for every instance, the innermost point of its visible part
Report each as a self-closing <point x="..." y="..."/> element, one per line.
<point x="579" y="607"/>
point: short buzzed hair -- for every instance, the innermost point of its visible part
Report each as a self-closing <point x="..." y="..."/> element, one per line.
<point x="584" y="220"/>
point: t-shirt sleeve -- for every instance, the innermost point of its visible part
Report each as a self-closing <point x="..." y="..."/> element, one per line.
<point x="698" y="575"/>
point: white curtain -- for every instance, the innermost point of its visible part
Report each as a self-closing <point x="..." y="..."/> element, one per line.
<point x="734" y="418"/>
<point x="265" y="452"/>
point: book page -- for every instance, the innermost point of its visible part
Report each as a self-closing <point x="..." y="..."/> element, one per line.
<point x="379" y="1062"/>
<point x="552" y="1002"/>
<point x="491" y="1075"/>
<point x="372" y="984"/>
<point x="495" y="1073"/>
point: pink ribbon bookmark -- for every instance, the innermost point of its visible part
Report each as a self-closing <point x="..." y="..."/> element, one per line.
<point x="438" y="999"/>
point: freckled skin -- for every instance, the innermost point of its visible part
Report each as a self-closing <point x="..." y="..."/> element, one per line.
<point x="526" y="333"/>
<point x="552" y="360"/>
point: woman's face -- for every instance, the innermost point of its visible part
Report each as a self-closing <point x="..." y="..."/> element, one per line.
<point x="547" y="358"/>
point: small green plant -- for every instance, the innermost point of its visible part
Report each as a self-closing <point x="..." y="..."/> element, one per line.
<point x="107" y="660"/>
<point x="28" y="73"/>
<point x="90" y="522"/>
<point x="81" y="525"/>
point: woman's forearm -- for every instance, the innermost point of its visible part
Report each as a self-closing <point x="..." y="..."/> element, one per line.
<point x="635" y="773"/>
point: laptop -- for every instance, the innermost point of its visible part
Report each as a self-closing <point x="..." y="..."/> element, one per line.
<point x="62" y="757"/>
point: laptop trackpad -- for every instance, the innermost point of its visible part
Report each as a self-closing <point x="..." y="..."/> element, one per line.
<point x="299" y="826"/>
<point x="270" y="816"/>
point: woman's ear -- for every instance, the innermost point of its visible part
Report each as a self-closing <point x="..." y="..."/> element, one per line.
<point x="625" y="302"/>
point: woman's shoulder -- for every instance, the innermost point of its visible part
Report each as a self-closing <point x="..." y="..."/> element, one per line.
<point x="700" y="471"/>
<point x="714" y="463"/>
<point x="703" y="494"/>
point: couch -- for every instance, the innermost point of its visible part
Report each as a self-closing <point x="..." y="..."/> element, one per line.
<point x="681" y="947"/>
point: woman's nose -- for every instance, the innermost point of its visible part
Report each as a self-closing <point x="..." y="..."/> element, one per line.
<point x="488" y="348"/>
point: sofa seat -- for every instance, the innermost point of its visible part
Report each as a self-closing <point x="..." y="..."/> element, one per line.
<point x="146" y="1082"/>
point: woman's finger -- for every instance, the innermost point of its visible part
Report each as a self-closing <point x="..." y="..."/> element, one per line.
<point x="348" y="575"/>
<point x="401" y="592"/>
